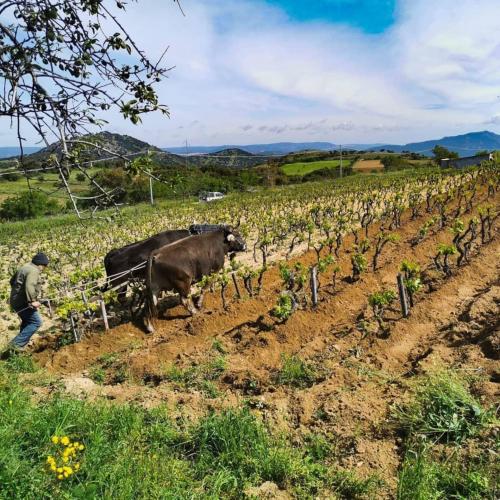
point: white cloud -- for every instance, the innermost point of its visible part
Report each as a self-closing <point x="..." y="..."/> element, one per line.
<point x="244" y="72"/>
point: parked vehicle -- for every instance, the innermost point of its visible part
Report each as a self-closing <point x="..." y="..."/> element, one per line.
<point x="211" y="196"/>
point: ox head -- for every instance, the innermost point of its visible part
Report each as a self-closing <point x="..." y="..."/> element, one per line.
<point x="234" y="240"/>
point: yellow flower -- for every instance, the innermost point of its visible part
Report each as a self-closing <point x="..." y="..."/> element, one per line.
<point x="76" y="444"/>
<point x="65" y="440"/>
<point x="81" y="447"/>
<point x="65" y="459"/>
<point x="77" y="466"/>
<point x="59" y="469"/>
<point x="50" y="459"/>
<point x="53" y="468"/>
<point x="60" y="476"/>
<point x="55" y="439"/>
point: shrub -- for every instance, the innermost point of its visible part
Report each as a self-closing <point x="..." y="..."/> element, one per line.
<point x="28" y="205"/>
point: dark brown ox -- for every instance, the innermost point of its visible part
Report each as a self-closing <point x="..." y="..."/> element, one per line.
<point x="176" y="267"/>
<point x="123" y="259"/>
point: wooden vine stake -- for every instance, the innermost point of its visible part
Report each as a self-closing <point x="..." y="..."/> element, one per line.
<point x="237" y="288"/>
<point x="73" y="327"/>
<point x="314" y="285"/>
<point x="403" y="298"/>
<point x="104" y="314"/>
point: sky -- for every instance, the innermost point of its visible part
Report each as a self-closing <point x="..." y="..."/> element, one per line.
<point x="343" y="71"/>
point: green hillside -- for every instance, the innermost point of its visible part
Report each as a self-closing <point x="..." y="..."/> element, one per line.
<point x="303" y="168"/>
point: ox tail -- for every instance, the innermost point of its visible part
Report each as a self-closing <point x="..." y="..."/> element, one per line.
<point x="150" y="302"/>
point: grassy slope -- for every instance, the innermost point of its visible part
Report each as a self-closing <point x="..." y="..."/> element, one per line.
<point x="48" y="184"/>
<point x="303" y="168"/>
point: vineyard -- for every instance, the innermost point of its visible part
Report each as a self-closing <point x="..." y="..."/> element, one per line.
<point x="305" y="329"/>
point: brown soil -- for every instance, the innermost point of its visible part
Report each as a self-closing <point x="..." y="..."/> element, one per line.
<point x="361" y="372"/>
<point x="367" y="165"/>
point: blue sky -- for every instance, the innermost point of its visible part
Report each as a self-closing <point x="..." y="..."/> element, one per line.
<point x="343" y="71"/>
<point x="371" y="16"/>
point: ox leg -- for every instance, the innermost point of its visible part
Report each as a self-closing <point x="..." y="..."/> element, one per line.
<point x="150" y="309"/>
<point x="187" y="302"/>
<point x="198" y="301"/>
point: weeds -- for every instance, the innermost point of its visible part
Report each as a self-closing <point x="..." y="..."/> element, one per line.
<point x="423" y="477"/>
<point x="296" y="372"/>
<point x="443" y="410"/>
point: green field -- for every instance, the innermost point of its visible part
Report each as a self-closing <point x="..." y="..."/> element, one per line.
<point x="303" y="168"/>
<point x="45" y="181"/>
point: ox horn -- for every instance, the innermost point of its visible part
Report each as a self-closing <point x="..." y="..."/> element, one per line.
<point x="231" y="237"/>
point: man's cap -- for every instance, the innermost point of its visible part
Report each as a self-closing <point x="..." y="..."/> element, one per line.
<point x="40" y="259"/>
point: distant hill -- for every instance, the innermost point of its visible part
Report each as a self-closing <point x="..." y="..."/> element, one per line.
<point x="277" y="148"/>
<point x="465" y="144"/>
<point x="229" y="158"/>
<point x="119" y="144"/>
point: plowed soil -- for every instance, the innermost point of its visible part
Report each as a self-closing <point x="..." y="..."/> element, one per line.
<point x="360" y="371"/>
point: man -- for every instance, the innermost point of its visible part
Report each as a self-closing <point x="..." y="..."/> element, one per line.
<point x="24" y="297"/>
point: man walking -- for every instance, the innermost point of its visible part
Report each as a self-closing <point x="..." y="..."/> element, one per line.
<point x="24" y="297"/>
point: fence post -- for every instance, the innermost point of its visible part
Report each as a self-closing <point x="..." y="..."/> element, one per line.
<point x="104" y="314"/>
<point x="403" y="299"/>
<point x="314" y="285"/>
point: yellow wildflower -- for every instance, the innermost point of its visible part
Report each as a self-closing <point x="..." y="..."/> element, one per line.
<point x="60" y="476"/>
<point x="81" y="447"/>
<point x="50" y="459"/>
<point x="77" y="466"/>
<point x="55" y="439"/>
<point x="59" y="469"/>
<point x="53" y="468"/>
<point x="65" y="459"/>
<point x="65" y="440"/>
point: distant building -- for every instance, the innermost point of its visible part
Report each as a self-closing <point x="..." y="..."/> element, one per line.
<point x="469" y="161"/>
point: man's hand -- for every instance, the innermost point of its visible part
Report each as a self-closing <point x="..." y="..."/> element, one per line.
<point x="35" y="304"/>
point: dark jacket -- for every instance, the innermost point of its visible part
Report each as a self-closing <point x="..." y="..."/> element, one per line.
<point x="25" y="287"/>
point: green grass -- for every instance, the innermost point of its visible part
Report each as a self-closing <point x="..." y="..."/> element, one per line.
<point x="296" y="372"/>
<point x="134" y="453"/>
<point x="44" y="181"/>
<point x="464" y="464"/>
<point x="423" y="477"/>
<point x="443" y="410"/>
<point x="303" y="168"/>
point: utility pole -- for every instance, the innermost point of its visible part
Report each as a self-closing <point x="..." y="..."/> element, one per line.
<point x="151" y="190"/>
<point x="341" y="161"/>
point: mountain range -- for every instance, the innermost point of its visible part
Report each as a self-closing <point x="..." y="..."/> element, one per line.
<point x="465" y="144"/>
<point x="255" y="154"/>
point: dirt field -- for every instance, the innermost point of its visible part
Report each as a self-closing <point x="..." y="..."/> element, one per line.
<point x="360" y="374"/>
<point x="367" y="165"/>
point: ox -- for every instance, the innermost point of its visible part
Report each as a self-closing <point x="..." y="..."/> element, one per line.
<point x="175" y="267"/>
<point x="122" y="259"/>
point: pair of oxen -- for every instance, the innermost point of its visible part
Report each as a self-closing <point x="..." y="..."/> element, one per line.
<point x="175" y="260"/>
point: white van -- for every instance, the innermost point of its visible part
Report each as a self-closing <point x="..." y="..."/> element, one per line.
<point x="211" y="196"/>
